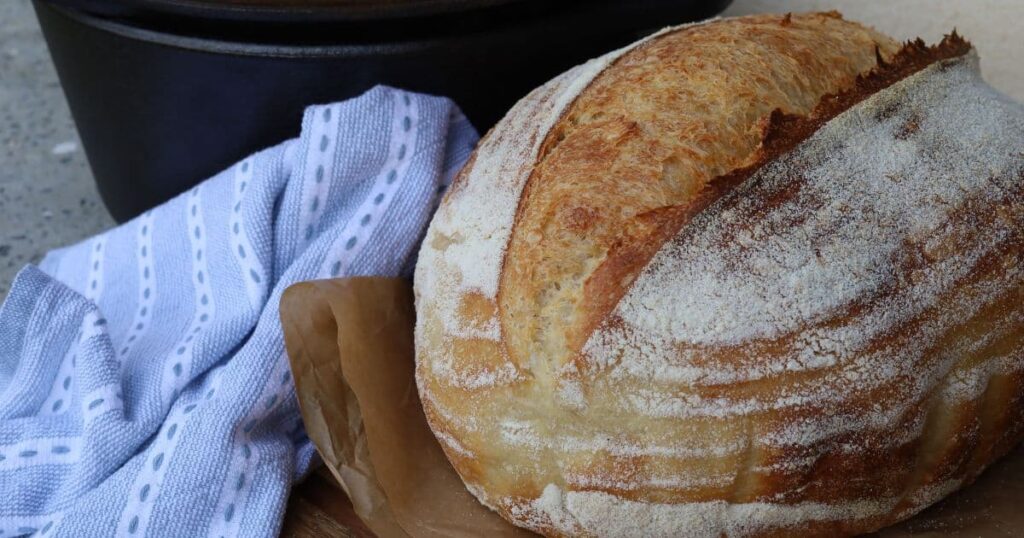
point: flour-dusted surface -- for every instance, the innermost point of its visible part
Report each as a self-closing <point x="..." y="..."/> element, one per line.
<point x="829" y="347"/>
<point x="880" y="217"/>
<point x="742" y="270"/>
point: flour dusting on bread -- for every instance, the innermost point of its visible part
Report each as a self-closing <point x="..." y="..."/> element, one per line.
<point x="471" y="229"/>
<point x="827" y="345"/>
<point x="868" y="206"/>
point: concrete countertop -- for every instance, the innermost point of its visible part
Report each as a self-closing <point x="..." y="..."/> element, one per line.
<point x="47" y="196"/>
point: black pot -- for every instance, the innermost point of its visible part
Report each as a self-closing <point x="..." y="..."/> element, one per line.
<point x="167" y="92"/>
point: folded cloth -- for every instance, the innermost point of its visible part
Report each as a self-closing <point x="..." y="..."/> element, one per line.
<point x="144" y="386"/>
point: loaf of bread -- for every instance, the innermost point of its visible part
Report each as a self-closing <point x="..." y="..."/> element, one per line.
<point x="751" y="277"/>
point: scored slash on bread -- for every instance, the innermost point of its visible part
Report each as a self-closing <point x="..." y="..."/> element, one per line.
<point x="755" y="276"/>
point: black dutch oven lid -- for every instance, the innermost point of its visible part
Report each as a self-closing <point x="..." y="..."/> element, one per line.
<point x="292" y="10"/>
<point x="305" y="22"/>
<point x="129" y="67"/>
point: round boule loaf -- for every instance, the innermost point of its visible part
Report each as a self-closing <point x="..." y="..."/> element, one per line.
<point x="750" y="277"/>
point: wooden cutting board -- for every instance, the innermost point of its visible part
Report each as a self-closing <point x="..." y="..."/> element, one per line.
<point x="319" y="508"/>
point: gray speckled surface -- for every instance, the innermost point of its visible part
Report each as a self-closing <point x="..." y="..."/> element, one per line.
<point x="47" y="195"/>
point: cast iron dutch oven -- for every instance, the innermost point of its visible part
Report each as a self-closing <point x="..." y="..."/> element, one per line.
<point x="167" y="92"/>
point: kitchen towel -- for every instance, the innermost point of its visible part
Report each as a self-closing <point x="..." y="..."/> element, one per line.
<point x="144" y="386"/>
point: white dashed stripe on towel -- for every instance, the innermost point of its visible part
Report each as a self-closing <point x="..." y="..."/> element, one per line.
<point x="22" y="525"/>
<point x="319" y="165"/>
<point x="360" y="226"/>
<point x="178" y="367"/>
<point x="102" y="400"/>
<point x="147" y="290"/>
<point x="63" y="387"/>
<point x="241" y="247"/>
<point x="57" y="400"/>
<point x="176" y="373"/>
<point x="46" y="451"/>
<point x="93" y="325"/>
<point x="94" y="284"/>
<point x="148" y="483"/>
<point x="235" y="491"/>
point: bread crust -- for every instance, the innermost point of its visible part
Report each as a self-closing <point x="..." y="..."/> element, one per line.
<point x="570" y="410"/>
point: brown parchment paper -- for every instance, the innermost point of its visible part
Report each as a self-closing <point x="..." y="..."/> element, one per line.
<point x="350" y="342"/>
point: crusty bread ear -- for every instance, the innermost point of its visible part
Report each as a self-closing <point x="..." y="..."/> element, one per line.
<point x="746" y="277"/>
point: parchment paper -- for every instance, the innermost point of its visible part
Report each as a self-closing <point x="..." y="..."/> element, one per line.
<point x="351" y="349"/>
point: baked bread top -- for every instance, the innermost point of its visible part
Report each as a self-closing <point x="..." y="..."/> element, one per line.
<point x="716" y="283"/>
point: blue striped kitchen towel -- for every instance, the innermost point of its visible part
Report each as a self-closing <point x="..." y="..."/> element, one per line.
<point x="144" y="386"/>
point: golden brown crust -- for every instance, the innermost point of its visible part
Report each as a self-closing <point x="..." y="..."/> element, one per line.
<point x="647" y="135"/>
<point x="529" y="383"/>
